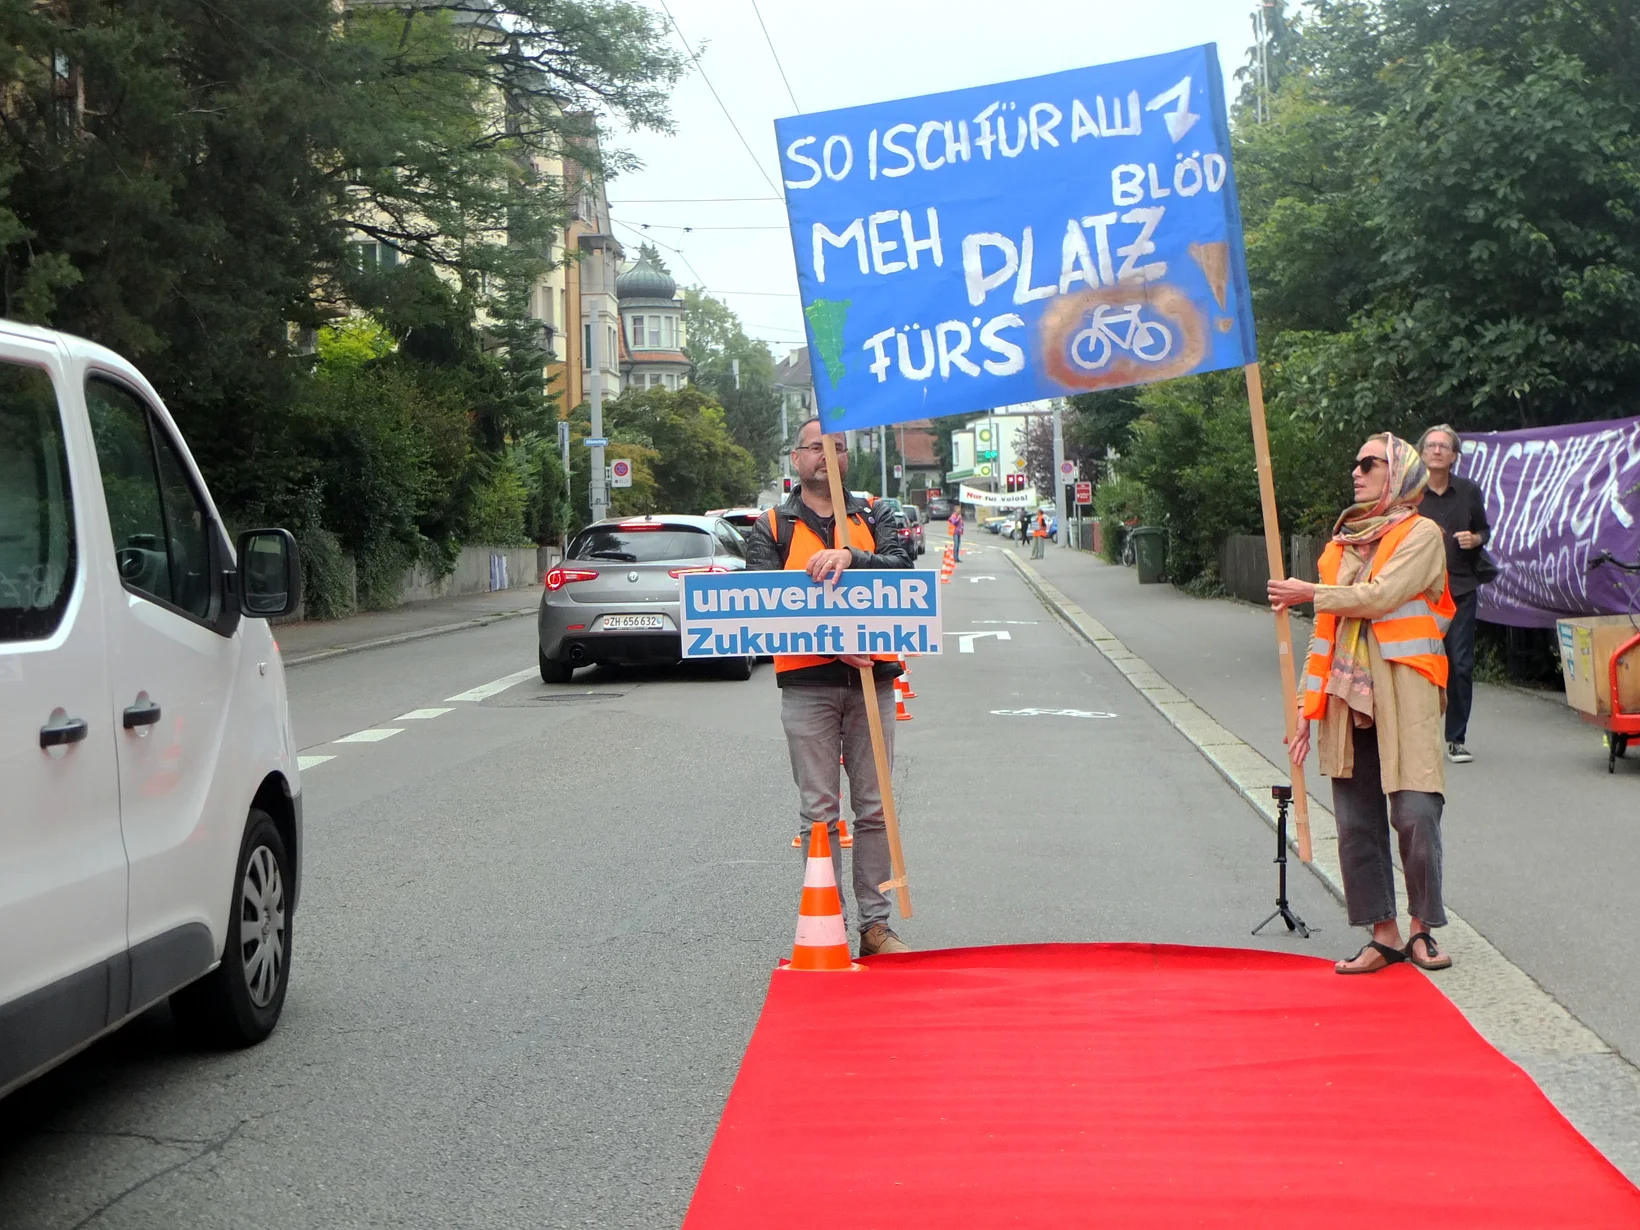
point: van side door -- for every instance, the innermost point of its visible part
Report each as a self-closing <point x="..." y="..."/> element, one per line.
<point x="63" y="975"/>
<point x="172" y="674"/>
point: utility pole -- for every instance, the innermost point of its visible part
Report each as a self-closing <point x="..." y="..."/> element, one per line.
<point x="1058" y="473"/>
<point x="598" y="495"/>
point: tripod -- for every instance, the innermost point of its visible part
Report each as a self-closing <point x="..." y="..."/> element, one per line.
<point x="1283" y="795"/>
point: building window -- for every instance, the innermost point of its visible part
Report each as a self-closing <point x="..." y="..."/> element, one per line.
<point x="655" y="332"/>
<point x="611" y="360"/>
<point x="368" y="256"/>
<point x="671" y="381"/>
<point x="586" y="345"/>
<point x="637" y="330"/>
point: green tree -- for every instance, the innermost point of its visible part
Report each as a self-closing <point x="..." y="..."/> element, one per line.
<point x="696" y="463"/>
<point x="736" y="370"/>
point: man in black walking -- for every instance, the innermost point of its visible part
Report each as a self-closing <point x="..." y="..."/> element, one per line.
<point x="1456" y="505"/>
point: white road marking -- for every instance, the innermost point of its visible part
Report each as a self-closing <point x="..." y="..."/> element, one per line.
<point x="304" y="763"/>
<point x="965" y="640"/>
<point x="486" y="690"/>
<point x="371" y="736"/>
<point x="1013" y="623"/>
<point x="416" y="715"/>
<point x="1075" y="713"/>
<point x="977" y="580"/>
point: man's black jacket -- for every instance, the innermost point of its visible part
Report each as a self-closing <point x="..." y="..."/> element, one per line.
<point x="763" y="554"/>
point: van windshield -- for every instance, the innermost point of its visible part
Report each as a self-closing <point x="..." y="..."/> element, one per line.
<point x="37" y="547"/>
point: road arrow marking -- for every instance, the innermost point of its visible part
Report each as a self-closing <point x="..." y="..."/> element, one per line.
<point x="977" y="580"/>
<point x="1075" y="713"/>
<point x="965" y="640"/>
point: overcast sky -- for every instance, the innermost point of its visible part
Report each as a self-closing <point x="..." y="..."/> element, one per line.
<point x="841" y="54"/>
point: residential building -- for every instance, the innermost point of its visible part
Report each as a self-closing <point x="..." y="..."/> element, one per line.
<point x="651" y="313"/>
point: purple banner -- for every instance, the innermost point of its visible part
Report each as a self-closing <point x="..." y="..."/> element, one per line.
<point x="1557" y="497"/>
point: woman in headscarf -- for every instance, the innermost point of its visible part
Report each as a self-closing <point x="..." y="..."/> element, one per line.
<point x="1376" y="682"/>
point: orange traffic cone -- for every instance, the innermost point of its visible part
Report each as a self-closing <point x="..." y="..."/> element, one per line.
<point x="822" y="939"/>
<point x="903" y="682"/>
<point x="843" y="838"/>
<point x="901" y="713"/>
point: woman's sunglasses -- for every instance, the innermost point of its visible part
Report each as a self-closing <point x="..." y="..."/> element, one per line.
<point x="1365" y="464"/>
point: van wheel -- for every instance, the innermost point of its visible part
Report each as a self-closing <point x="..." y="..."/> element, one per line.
<point x="553" y="671"/>
<point x="738" y="669"/>
<point x="239" y="1002"/>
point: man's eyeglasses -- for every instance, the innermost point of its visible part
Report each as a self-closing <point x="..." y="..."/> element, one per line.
<point x="1433" y="447"/>
<point x="815" y="449"/>
<point x="1366" y="464"/>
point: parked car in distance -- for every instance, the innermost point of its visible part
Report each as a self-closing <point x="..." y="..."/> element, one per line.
<point x="615" y="597"/>
<point x="741" y="518"/>
<point x="908" y="530"/>
<point x="939" y="508"/>
<point x="151" y="844"/>
<point x="998" y="525"/>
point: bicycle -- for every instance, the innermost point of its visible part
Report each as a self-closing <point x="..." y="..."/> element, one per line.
<point x="1093" y="347"/>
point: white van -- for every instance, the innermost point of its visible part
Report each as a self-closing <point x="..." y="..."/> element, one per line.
<point x="150" y="811"/>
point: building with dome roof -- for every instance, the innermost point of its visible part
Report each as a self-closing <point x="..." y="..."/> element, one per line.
<point x="651" y="327"/>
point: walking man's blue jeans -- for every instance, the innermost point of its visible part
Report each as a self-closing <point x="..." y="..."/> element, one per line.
<point x="956" y="541"/>
<point x="1460" y="668"/>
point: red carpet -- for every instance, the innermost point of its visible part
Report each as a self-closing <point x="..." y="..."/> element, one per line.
<point x="1137" y="1085"/>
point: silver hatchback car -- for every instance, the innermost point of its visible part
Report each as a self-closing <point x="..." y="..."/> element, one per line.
<point x="615" y="597"/>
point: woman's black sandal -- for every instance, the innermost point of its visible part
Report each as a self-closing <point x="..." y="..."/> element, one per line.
<point x="1437" y="958"/>
<point x="1392" y="956"/>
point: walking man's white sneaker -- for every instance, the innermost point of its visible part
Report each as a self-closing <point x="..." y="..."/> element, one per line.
<point x="1457" y="753"/>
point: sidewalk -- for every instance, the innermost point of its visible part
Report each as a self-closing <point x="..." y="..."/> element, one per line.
<point x="1542" y="845"/>
<point x="318" y="640"/>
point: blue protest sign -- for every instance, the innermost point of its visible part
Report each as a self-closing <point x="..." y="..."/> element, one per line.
<point x="990" y="246"/>
<point x="869" y="610"/>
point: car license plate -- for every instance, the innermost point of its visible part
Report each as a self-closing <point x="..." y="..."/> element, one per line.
<point x="614" y="622"/>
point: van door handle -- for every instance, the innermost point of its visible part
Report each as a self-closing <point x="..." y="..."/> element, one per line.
<point x="141" y="715"/>
<point x="62" y="731"/>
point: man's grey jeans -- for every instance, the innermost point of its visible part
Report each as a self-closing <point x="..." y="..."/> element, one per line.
<point x="820" y="722"/>
<point x="1365" y="816"/>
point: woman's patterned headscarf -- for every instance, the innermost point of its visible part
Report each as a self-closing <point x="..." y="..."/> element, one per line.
<point x="1360" y="524"/>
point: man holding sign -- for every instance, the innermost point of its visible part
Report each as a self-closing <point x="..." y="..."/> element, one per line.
<point x="822" y="699"/>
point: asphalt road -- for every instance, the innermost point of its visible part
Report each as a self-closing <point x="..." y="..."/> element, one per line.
<point x="536" y="927"/>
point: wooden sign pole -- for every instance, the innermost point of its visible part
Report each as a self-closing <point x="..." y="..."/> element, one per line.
<point x="1284" y="626"/>
<point x="868" y="694"/>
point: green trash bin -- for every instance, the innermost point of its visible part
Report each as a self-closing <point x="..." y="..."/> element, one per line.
<point x="1150" y="552"/>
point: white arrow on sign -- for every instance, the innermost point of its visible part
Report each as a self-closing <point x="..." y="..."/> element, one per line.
<point x="965" y="640"/>
<point x="977" y="580"/>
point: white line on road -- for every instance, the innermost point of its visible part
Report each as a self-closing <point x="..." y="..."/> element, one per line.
<point x="1075" y="713"/>
<point x="417" y="715"/>
<point x="486" y="690"/>
<point x="304" y="763"/>
<point x="1013" y="623"/>
<point x="978" y="579"/>
<point x="371" y="736"/>
<point x="965" y="640"/>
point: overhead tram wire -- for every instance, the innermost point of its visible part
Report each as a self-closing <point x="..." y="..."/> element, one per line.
<point x="778" y="65"/>
<point x="696" y="200"/>
<point x="750" y="153"/>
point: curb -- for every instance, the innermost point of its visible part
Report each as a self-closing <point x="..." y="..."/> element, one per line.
<point x="401" y="638"/>
<point x="1509" y="1008"/>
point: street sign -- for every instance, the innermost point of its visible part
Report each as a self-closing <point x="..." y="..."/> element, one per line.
<point x="1067" y="470"/>
<point x="596" y="442"/>
<point x="1019" y="463"/>
<point x="1084" y="493"/>
<point x="563" y="434"/>
<point x="620" y="473"/>
<point x="899" y="471"/>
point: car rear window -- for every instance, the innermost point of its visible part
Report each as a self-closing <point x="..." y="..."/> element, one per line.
<point x="641" y="546"/>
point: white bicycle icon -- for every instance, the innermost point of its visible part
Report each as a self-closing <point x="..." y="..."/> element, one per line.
<point x="1120" y="329"/>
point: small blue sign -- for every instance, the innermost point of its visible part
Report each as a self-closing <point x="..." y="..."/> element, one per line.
<point x="868" y="610"/>
<point x="596" y="442"/>
<point x="990" y="246"/>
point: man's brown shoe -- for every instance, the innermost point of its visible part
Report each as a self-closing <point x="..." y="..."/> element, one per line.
<point x="878" y="938"/>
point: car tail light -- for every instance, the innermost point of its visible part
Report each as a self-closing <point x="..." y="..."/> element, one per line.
<point x="557" y="578"/>
<point x="678" y="572"/>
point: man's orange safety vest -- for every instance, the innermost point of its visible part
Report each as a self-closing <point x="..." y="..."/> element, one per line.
<point x="1412" y="634"/>
<point x="803" y="547"/>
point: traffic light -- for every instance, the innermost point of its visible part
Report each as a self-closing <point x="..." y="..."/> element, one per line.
<point x="786" y="485"/>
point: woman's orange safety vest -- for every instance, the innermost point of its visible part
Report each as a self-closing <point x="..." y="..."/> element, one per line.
<point x="1041" y="528"/>
<point x="1413" y="634"/>
<point x="804" y="545"/>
